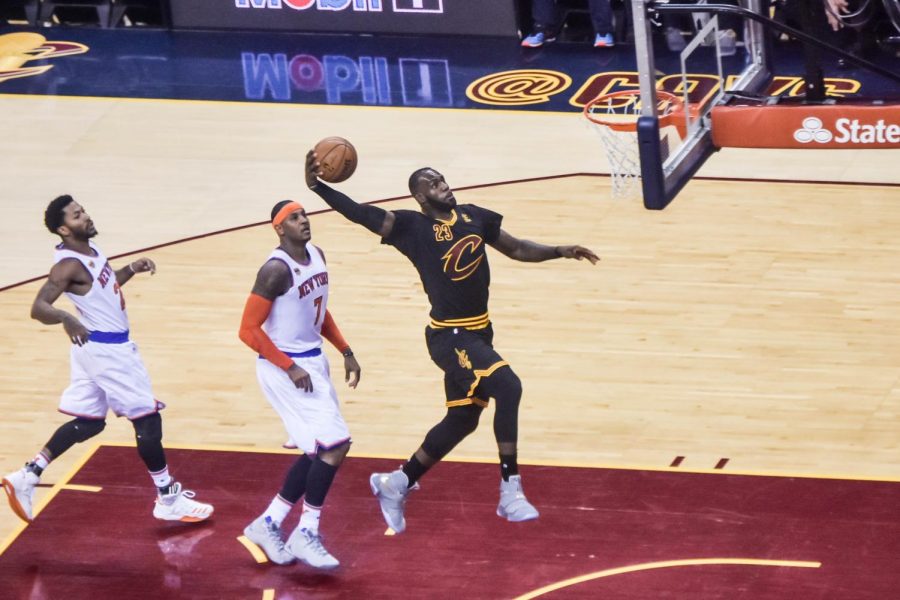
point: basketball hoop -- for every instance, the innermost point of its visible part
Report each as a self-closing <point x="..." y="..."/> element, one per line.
<point x="614" y="116"/>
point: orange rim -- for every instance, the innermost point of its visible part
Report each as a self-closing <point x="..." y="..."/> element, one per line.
<point x="665" y="102"/>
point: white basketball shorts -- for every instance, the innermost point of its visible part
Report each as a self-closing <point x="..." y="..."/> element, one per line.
<point x="108" y="377"/>
<point x="312" y="419"/>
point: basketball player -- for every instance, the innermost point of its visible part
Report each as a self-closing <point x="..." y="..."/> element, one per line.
<point x="446" y="244"/>
<point x="107" y="371"/>
<point x="284" y="320"/>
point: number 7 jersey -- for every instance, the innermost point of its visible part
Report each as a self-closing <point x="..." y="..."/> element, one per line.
<point x="295" y="322"/>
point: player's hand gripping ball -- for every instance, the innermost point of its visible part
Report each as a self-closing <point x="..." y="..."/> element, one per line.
<point x="337" y="159"/>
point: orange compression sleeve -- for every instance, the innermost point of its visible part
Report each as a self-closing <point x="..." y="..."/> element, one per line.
<point x="331" y="333"/>
<point x="256" y="311"/>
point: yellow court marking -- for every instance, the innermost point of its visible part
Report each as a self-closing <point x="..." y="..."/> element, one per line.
<point x="220" y="448"/>
<point x="543" y="463"/>
<point x="253" y="549"/>
<point x="39" y="506"/>
<point x="268" y="595"/>
<point x="82" y="488"/>
<point x="690" y="562"/>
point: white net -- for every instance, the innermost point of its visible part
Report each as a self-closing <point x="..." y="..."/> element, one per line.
<point x="621" y="148"/>
<point x="614" y="118"/>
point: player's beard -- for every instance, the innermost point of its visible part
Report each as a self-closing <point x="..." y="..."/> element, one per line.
<point x="441" y="206"/>
<point x="86" y="234"/>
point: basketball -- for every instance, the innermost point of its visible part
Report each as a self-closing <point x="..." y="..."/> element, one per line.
<point x="337" y="158"/>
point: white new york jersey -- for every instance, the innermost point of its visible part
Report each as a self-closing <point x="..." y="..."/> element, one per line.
<point x="103" y="307"/>
<point x="295" y="321"/>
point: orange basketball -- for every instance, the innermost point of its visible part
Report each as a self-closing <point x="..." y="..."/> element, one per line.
<point x="337" y="158"/>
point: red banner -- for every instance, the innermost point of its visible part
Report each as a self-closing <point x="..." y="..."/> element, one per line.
<point x="807" y="126"/>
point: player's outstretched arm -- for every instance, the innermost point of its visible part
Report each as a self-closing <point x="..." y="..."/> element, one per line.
<point x="528" y="251"/>
<point x="578" y="253"/>
<point x="375" y="219"/>
<point x="133" y="268"/>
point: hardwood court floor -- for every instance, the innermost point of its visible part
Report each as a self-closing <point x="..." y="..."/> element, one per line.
<point x="154" y="171"/>
<point x="744" y="322"/>
<point x="751" y="320"/>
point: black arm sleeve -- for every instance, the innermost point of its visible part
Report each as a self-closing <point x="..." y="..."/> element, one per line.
<point x="370" y="217"/>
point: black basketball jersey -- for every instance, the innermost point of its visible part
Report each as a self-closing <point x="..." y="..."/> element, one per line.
<point x="451" y="260"/>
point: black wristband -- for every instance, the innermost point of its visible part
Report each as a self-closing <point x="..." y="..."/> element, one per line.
<point x="557" y="252"/>
<point x="347" y="353"/>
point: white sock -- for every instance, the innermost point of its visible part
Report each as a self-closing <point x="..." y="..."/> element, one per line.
<point x="41" y="460"/>
<point x="162" y="478"/>
<point x="278" y="509"/>
<point x="309" y="518"/>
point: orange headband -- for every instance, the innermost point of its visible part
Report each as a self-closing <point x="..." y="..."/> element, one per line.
<point x="285" y="211"/>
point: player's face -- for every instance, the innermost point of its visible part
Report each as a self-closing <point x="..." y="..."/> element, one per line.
<point x="78" y="222"/>
<point x="435" y="191"/>
<point x="296" y="226"/>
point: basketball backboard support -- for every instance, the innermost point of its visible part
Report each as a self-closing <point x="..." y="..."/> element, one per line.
<point x="664" y="173"/>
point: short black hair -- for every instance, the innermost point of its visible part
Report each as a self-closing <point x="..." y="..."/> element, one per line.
<point x="415" y="177"/>
<point x="53" y="216"/>
<point x="278" y="207"/>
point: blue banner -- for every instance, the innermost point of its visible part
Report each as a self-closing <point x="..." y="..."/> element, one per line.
<point x="430" y="72"/>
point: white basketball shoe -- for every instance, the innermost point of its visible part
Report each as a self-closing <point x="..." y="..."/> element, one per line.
<point x="19" y="487"/>
<point x="514" y="506"/>
<point x="179" y="505"/>
<point x="307" y="546"/>
<point x="266" y="534"/>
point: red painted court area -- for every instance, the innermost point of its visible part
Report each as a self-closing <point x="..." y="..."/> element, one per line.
<point x="603" y="533"/>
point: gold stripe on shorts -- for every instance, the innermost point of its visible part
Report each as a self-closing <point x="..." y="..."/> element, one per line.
<point x="480" y="373"/>
<point x="479" y="322"/>
<point x="466" y="401"/>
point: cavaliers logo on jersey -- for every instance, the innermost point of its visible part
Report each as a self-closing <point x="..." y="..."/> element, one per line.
<point x="462" y="259"/>
<point x="463" y="358"/>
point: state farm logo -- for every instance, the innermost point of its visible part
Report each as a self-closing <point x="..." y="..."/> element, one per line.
<point x="812" y="130"/>
<point x="848" y="131"/>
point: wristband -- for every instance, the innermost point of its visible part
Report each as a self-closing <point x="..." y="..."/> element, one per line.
<point x="133" y="272"/>
<point x="557" y="252"/>
<point x="347" y="353"/>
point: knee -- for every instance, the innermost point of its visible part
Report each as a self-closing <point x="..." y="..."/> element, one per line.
<point x="505" y="387"/>
<point x="464" y="419"/>
<point x="334" y="456"/>
<point x="85" y="429"/>
<point x="458" y="423"/>
<point x="148" y="429"/>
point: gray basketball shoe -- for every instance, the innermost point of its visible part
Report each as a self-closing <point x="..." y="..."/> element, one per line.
<point x="391" y="490"/>
<point x="307" y="546"/>
<point x="266" y="534"/>
<point x="514" y="506"/>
